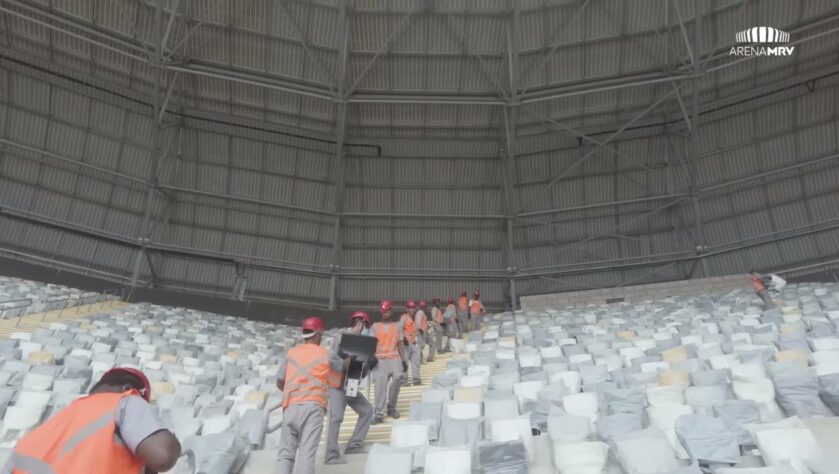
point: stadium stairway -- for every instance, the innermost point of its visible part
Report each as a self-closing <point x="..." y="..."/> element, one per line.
<point x="262" y="462"/>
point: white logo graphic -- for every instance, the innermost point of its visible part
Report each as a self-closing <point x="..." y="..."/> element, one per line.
<point x="762" y="34"/>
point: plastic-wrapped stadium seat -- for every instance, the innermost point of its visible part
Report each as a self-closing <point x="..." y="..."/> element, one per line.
<point x="22" y="418"/>
<point x="512" y="430"/>
<point x="411" y="435"/>
<point x="580" y="457"/>
<point x="463" y="410"/>
<point x="527" y="391"/>
<point x="707" y="439"/>
<point x="431" y="396"/>
<point x="568" y="428"/>
<point x="448" y="461"/>
<point x="659" y="396"/>
<point x="645" y="452"/>
<point x="384" y="459"/>
<point x="468" y="394"/>
<point x="430" y="413"/>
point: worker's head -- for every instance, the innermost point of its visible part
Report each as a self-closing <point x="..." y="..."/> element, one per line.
<point x="123" y="379"/>
<point x="411" y="307"/>
<point x="386" y="309"/>
<point x="463" y="293"/>
<point x="359" y="321"/>
<point x="753" y="272"/>
<point x="436" y="301"/>
<point x="312" y="329"/>
<point x="423" y="305"/>
<point x="477" y="295"/>
<point x="451" y="300"/>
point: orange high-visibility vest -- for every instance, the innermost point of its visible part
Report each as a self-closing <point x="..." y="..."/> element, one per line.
<point x="79" y="438"/>
<point x="758" y="285"/>
<point x="409" y="329"/>
<point x="462" y="303"/>
<point x="387" y="335"/>
<point x="423" y="322"/>
<point x="308" y="375"/>
<point x="476" y="307"/>
<point x="437" y="315"/>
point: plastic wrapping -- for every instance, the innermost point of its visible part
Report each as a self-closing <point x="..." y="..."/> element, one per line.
<point x="221" y="453"/>
<point x="612" y="427"/>
<point x="708" y="439"/>
<point x="829" y="391"/>
<point x="799" y="395"/>
<point x="430" y="412"/>
<point x="503" y="458"/>
<point x="630" y="400"/>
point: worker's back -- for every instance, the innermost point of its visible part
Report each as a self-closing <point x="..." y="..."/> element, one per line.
<point x="80" y="438"/>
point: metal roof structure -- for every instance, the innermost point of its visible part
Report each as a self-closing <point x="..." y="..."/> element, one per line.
<point x="334" y="152"/>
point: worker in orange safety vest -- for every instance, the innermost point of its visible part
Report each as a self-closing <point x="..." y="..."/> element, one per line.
<point x="476" y="311"/>
<point x="760" y="289"/>
<point x="438" y="325"/>
<point x="305" y="376"/>
<point x="421" y="320"/>
<point x="463" y="314"/>
<point x="410" y="331"/>
<point x="113" y="429"/>
<point x="392" y="365"/>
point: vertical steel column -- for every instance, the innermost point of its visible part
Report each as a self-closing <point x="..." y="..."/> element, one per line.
<point x="510" y="117"/>
<point x="340" y="137"/>
<point x="156" y="138"/>
<point x="694" y="140"/>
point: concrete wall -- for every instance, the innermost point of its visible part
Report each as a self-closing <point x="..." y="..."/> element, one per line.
<point x="652" y="291"/>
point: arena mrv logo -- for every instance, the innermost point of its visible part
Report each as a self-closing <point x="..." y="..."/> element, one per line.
<point x="764" y="41"/>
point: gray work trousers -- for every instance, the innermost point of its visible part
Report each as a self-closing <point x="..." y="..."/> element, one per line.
<point x="767" y="300"/>
<point x="413" y="352"/>
<point x="435" y="342"/>
<point x="477" y="319"/>
<point x="387" y="371"/>
<point x="462" y="320"/>
<point x="338" y="402"/>
<point x="299" y="438"/>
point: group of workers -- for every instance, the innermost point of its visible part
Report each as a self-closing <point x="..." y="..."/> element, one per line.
<point x="312" y="377"/>
<point x="116" y="429"/>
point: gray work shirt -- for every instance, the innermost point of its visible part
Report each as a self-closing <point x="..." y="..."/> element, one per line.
<point x="135" y="420"/>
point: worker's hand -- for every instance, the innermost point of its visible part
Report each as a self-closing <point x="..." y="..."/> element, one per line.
<point x="405" y="341"/>
<point x="404" y="366"/>
<point x="342" y="354"/>
<point x="422" y="332"/>
<point x="373" y="363"/>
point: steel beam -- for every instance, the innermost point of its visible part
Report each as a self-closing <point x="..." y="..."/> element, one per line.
<point x="696" y="54"/>
<point x="304" y="41"/>
<point x="510" y="113"/>
<point x="393" y="36"/>
<point x="340" y="155"/>
<point x="591" y="153"/>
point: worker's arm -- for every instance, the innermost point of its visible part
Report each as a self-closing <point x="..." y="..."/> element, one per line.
<point x="281" y="374"/>
<point x="142" y="431"/>
<point x="399" y="346"/>
<point x="159" y="451"/>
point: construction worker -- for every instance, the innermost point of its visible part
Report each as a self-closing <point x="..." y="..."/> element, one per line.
<point x="463" y="314"/>
<point x="450" y="316"/>
<point x="476" y="310"/>
<point x="438" y="325"/>
<point x="411" y="342"/>
<point x="391" y="357"/>
<point x="760" y="289"/>
<point x="421" y="320"/>
<point x="113" y="429"/>
<point x="304" y="377"/>
<point x="338" y="401"/>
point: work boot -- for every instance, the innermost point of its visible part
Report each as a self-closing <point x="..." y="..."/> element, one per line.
<point x="354" y="450"/>
<point x="378" y="420"/>
<point x="393" y="414"/>
<point x="337" y="460"/>
<point x="406" y="383"/>
<point x="417" y="382"/>
<point x="429" y="361"/>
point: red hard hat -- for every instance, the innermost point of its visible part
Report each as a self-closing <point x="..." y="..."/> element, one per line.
<point x="385" y="305"/>
<point x="423" y="304"/>
<point x="312" y="323"/>
<point x="451" y="300"/>
<point x="146" y="391"/>
<point x="477" y="293"/>
<point x="435" y="300"/>
<point x="360" y="315"/>
<point x="410" y="304"/>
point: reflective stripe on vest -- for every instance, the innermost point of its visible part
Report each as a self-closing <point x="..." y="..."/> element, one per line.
<point x="409" y="328"/>
<point x="387" y="336"/>
<point x="80" y="438"/>
<point x="307" y="375"/>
